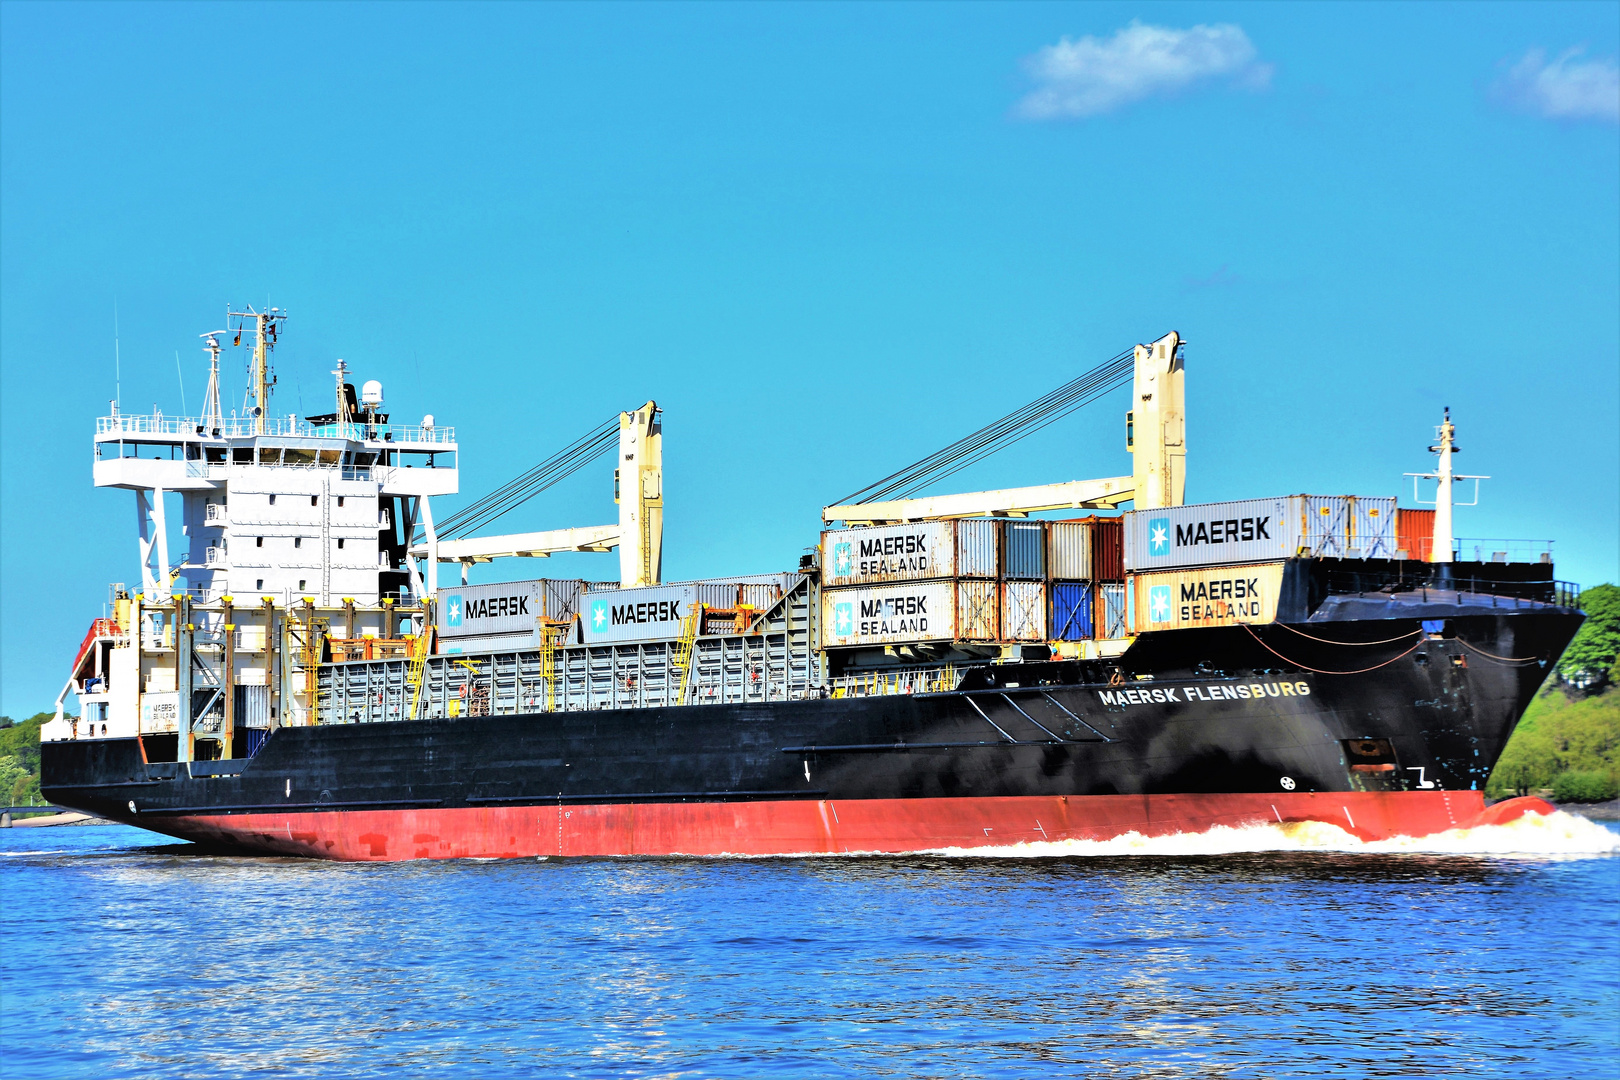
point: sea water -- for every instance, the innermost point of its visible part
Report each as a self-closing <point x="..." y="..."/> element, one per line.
<point x="1261" y="952"/>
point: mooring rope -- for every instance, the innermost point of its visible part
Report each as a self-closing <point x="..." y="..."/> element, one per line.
<point x="1320" y="671"/>
<point x="1500" y="659"/>
<point x="1329" y="641"/>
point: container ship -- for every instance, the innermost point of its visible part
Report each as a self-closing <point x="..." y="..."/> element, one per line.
<point x="1077" y="660"/>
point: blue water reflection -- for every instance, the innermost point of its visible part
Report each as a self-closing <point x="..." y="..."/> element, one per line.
<point x="126" y="956"/>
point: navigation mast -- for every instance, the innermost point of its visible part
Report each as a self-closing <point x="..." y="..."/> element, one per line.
<point x="266" y="327"/>
<point x="213" y="413"/>
<point x="1445" y="445"/>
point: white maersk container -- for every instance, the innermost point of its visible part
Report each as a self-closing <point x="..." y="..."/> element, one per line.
<point x="1260" y="530"/>
<point x="890" y="614"/>
<point x="925" y="551"/>
<point x="653" y="613"/>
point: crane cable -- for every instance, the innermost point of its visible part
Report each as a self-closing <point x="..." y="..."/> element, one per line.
<point x="1016" y="425"/>
<point x="509" y="496"/>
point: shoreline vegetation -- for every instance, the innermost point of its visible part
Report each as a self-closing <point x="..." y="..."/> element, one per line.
<point x="1566" y="748"/>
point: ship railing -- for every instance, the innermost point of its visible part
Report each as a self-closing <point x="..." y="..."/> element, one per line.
<point x="1504" y="551"/>
<point x="934" y="680"/>
<point x="1362" y="583"/>
<point x="236" y="427"/>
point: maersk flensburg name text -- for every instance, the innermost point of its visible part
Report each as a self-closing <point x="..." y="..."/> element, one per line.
<point x="1222" y="692"/>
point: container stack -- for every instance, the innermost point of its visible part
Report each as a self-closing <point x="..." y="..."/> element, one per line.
<point x="1221" y="564"/>
<point x="1023" y="588"/>
<point x="1087" y="590"/>
<point x="975" y="580"/>
<point x="933" y="581"/>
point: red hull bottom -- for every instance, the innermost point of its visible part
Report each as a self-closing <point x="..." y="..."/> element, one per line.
<point x="880" y="826"/>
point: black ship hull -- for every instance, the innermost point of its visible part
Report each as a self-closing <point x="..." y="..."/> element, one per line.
<point x="1380" y="725"/>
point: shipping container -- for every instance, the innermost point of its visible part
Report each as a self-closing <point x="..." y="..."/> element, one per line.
<point x="977" y="550"/>
<point x="654" y="613"/>
<point x="511" y="607"/>
<point x="1108" y="549"/>
<point x="730" y="595"/>
<point x="1071" y="611"/>
<point x="560" y="598"/>
<point x="1069" y="550"/>
<point x="1414" y="534"/>
<point x="1111" y="622"/>
<point x="1023" y="611"/>
<point x="1374" y="536"/>
<point x="1349" y="527"/>
<point x="889" y="614"/>
<point x="925" y="551"/>
<point x="1025" y="545"/>
<point x="978" y="611"/>
<point x="1260" y="530"/>
<point x="1214" y="596"/>
<point x="919" y="552"/>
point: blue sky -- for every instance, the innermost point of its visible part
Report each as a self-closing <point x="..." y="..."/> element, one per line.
<point x="827" y="239"/>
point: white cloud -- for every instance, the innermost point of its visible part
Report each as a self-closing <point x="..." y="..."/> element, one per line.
<point x="1566" y="89"/>
<point x="1097" y="75"/>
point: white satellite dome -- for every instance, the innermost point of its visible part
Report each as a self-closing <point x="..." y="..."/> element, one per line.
<point x="371" y="393"/>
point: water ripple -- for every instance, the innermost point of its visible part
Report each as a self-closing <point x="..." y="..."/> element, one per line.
<point x="130" y="956"/>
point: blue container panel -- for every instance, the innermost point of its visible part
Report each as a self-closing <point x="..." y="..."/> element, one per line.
<point x="1026" y="549"/>
<point x="1071" y="611"/>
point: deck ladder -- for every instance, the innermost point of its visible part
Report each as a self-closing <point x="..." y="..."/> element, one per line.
<point x="681" y="658"/>
<point x="414" y="672"/>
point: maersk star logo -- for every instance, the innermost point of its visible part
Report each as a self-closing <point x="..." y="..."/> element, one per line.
<point x="599" y="615"/>
<point x="1159" y="603"/>
<point x="843" y="559"/>
<point x="843" y="619"/>
<point x="1159" y="536"/>
<point x="452" y="610"/>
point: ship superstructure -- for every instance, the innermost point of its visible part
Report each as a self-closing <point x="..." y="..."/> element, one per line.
<point x="939" y="670"/>
<point x="291" y="529"/>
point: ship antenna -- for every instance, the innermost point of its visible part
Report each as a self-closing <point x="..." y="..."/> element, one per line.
<point x="266" y="328"/>
<point x="212" y="413"/>
<point x="342" y="398"/>
<point x="1444" y="445"/>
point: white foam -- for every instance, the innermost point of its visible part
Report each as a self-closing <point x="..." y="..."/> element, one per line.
<point x="1559" y="835"/>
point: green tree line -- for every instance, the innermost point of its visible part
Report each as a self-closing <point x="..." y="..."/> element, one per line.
<point x="1569" y="739"/>
<point x="19" y="759"/>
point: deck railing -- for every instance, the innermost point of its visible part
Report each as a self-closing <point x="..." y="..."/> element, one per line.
<point x="236" y="427"/>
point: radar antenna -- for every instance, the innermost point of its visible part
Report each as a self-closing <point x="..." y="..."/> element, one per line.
<point x="266" y="328"/>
